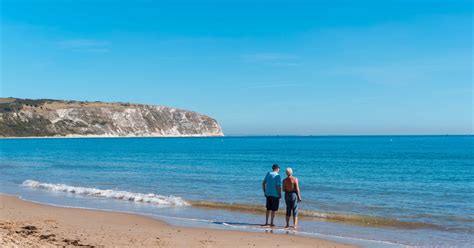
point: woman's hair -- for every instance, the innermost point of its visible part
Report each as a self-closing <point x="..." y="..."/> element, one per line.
<point x="289" y="171"/>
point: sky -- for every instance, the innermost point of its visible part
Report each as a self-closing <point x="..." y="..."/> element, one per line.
<point x="258" y="67"/>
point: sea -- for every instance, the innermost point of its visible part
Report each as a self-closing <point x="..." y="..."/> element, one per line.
<point x="372" y="191"/>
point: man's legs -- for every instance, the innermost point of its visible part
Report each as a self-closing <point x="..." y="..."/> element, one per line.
<point x="287" y="221"/>
<point x="273" y="217"/>
<point x="295" y="220"/>
<point x="266" y="217"/>
<point x="272" y="205"/>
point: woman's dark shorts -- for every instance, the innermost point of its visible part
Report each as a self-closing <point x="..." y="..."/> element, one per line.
<point x="291" y="200"/>
<point x="273" y="203"/>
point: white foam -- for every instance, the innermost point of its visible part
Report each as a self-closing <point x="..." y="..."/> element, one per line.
<point x="109" y="193"/>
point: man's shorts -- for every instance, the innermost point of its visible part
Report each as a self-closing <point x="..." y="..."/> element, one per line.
<point x="273" y="203"/>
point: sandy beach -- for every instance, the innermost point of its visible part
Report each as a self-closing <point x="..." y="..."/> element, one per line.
<point x="27" y="224"/>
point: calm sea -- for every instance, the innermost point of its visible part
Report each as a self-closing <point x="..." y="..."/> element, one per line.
<point x="373" y="191"/>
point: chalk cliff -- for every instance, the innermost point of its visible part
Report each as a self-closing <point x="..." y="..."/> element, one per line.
<point x="47" y="118"/>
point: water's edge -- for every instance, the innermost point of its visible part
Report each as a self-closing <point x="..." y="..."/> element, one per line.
<point x="209" y="224"/>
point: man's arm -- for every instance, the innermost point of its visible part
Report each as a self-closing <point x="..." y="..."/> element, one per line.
<point x="264" y="186"/>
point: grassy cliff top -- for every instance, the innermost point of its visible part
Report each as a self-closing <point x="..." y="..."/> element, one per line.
<point x="11" y="104"/>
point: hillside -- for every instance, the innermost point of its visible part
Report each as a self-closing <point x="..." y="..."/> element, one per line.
<point x="51" y="118"/>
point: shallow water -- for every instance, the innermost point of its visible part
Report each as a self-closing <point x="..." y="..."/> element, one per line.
<point x="411" y="190"/>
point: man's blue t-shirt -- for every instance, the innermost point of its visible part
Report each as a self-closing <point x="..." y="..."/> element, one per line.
<point x="272" y="180"/>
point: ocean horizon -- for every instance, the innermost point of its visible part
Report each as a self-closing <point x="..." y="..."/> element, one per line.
<point x="239" y="136"/>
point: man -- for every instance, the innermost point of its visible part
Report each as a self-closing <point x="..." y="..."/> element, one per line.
<point x="272" y="189"/>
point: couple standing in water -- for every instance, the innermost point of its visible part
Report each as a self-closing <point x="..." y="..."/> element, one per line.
<point x="272" y="187"/>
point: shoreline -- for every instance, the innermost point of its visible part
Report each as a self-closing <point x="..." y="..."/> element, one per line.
<point x="109" y="136"/>
<point x="344" y="218"/>
<point x="29" y="224"/>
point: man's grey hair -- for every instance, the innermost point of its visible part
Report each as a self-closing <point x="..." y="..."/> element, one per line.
<point x="289" y="171"/>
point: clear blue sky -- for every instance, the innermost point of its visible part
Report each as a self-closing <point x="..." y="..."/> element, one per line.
<point x="259" y="67"/>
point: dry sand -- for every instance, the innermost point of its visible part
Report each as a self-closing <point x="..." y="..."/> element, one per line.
<point x="27" y="224"/>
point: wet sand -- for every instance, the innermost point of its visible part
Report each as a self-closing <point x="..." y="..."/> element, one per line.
<point x="27" y="224"/>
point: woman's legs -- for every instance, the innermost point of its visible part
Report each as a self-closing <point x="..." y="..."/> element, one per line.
<point x="295" y="212"/>
<point x="291" y="200"/>
<point x="289" y="208"/>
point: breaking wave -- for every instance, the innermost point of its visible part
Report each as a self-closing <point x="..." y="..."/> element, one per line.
<point x="109" y="193"/>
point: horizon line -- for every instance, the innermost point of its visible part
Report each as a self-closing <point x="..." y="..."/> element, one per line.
<point x="333" y="135"/>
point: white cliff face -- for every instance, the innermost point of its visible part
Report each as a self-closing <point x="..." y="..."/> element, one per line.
<point x="22" y="117"/>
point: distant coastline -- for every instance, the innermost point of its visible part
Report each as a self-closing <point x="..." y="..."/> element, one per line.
<point x="60" y="118"/>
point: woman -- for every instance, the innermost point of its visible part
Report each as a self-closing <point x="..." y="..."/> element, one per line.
<point x="292" y="197"/>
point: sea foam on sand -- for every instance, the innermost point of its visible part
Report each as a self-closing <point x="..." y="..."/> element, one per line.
<point x="108" y="193"/>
